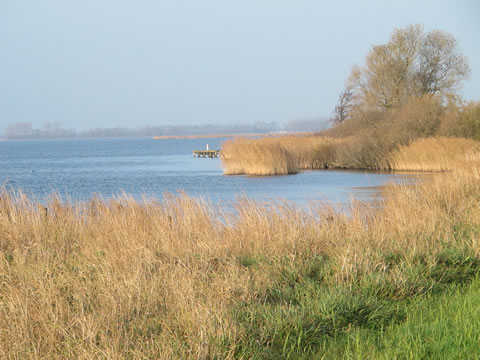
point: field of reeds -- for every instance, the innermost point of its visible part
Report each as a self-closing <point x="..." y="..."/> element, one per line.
<point x="436" y="154"/>
<point x="279" y="155"/>
<point x="289" y="154"/>
<point x="180" y="278"/>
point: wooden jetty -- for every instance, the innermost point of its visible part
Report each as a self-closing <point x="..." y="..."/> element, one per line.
<point x="206" y="153"/>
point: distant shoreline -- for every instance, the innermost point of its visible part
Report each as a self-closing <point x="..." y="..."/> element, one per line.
<point x="209" y="136"/>
<point x="165" y="137"/>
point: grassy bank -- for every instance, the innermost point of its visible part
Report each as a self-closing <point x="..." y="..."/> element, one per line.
<point x="441" y="327"/>
<point x="289" y="154"/>
<point x="180" y="278"/>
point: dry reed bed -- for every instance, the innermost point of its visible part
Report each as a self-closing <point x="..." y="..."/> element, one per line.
<point x="277" y="155"/>
<point x="159" y="279"/>
<point x="436" y="154"/>
<point x="289" y="154"/>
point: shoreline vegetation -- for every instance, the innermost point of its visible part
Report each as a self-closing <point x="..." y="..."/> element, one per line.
<point x="291" y="154"/>
<point x="182" y="278"/>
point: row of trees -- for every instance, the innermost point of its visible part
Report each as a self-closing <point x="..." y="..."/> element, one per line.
<point x="25" y="130"/>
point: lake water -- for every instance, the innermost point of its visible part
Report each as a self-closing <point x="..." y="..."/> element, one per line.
<point x="148" y="167"/>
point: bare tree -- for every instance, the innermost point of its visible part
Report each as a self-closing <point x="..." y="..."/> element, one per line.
<point x="412" y="63"/>
<point x="344" y="106"/>
<point x="441" y="65"/>
<point x="385" y="80"/>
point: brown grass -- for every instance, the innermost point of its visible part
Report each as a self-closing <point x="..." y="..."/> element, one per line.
<point x="290" y="154"/>
<point x="436" y="154"/>
<point x="123" y="279"/>
<point x="256" y="157"/>
<point x="278" y="155"/>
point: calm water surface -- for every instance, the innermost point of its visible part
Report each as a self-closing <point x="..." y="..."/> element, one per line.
<point x="147" y="167"/>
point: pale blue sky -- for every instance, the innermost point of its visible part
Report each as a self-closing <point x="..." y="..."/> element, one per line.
<point x="106" y="63"/>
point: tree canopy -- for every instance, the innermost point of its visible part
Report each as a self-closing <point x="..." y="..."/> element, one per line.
<point x="412" y="63"/>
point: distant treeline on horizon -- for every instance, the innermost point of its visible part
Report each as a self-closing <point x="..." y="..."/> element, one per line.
<point x="25" y="130"/>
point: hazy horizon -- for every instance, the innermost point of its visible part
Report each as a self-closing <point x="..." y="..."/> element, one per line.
<point x="125" y="63"/>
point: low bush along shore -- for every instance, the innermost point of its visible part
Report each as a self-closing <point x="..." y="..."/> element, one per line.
<point x="180" y="278"/>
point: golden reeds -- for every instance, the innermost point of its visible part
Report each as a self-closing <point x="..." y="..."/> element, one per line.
<point x="242" y="156"/>
<point x="289" y="154"/>
<point x="436" y="154"/>
<point x="278" y="155"/>
<point x="160" y="279"/>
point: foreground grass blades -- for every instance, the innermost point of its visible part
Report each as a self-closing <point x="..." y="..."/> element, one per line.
<point x="180" y="278"/>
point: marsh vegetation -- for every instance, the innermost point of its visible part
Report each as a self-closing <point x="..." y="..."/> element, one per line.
<point x="181" y="278"/>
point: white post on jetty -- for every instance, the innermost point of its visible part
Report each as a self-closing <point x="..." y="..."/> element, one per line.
<point x="207" y="147"/>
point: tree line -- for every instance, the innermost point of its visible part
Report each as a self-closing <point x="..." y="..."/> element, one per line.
<point x="25" y="130"/>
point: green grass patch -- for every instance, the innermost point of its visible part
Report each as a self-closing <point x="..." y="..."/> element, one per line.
<point x="305" y="314"/>
<point x="445" y="326"/>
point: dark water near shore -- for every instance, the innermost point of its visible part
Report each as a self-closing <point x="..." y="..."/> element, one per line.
<point x="147" y="167"/>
